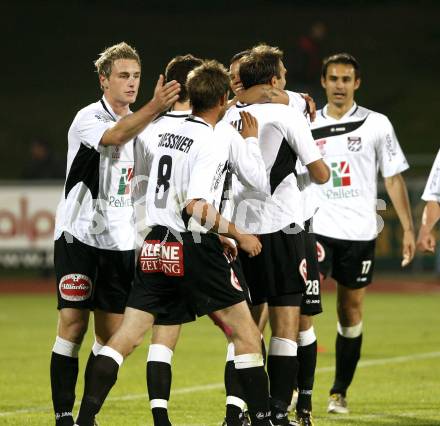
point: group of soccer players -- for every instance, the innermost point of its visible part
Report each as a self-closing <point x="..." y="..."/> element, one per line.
<point x="248" y="203"/>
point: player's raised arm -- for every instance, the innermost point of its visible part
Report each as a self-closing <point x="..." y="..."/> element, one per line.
<point x="396" y="189"/>
<point x="165" y="95"/>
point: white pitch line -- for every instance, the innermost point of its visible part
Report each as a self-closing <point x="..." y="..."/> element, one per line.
<point x="214" y="386"/>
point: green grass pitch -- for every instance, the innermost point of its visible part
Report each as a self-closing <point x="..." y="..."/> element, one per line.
<point x="397" y="382"/>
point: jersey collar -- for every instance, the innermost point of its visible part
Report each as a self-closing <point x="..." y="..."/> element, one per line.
<point x="195" y="119"/>
<point x="109" y="109"/>
<point x="179" y="114"/>
<point x="349" y="113"/>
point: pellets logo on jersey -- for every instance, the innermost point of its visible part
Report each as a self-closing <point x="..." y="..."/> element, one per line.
<point x="157" y="256"/>
<point x="124" y="181"/>
<point x="234" y="281"/>
<point x="341" y="174"/>
<point x="320" y="251"/>
<point x="75" y="287"/>
<point x="303" y="269"/>
<point x="354" y="143"/>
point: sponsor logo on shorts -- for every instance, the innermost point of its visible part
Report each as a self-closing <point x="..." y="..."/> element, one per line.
<point x="157" y="256"/>
<point x="75" y="287"/>
<point x="303" y="269"/>
<point x="234" y="281"/>
<point x="320" y="251"/>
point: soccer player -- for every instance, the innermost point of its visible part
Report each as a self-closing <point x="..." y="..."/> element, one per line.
<point x="246" y="163"/>
<point x="355" y="142"/>
<point x="284" y="136"/>
<point x="265" y="92"/>
<point x="311" y="303"/>
<point x="181" y="267"/>
<point x="431" y="212"/>
<point x="94" y="236"/>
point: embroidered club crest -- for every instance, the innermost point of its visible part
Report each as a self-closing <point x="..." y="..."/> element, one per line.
<point x="354" y="143"/>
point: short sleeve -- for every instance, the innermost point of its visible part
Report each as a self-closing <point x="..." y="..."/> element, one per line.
<point x="90" y="126"/>
<point x="205" y="166"/>
<point x="297" y="101"/>
<point x="432" y="188"/>
<point x="390" y="157"/>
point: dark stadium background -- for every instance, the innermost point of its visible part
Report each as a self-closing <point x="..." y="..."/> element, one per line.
<point x="48" y="49"/>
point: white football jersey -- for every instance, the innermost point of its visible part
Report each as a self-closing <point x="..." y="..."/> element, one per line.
<point x="432" y="188"/>
<point x="355" y="147"/>
<point x="241" y="157"/>
<point x="96" y="205"/>
<point x="187" y="164"/>
<point x="284" y="136"/>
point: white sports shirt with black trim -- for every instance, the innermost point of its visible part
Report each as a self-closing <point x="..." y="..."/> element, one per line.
<point x="284" y="135"/>
<point x="235" y="155"/>
<point x="187" y="164"/>
<point x="355" y="147"/>
<point x="432" y="188"/>
<point x="96" y="205"/>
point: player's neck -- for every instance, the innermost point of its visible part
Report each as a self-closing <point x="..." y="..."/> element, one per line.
<point x="181" y="106"/>
<point x="338" y="111"/>
<point x="120" y="109"/>
<point x="210" y="116"/>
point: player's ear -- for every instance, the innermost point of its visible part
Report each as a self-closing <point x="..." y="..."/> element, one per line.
<point x="357" y="83"/>
<point x="102" y="81"/>
<point x="323" y="82"/>
<point x="273" y="81"/>
<point x="224" y="100"/>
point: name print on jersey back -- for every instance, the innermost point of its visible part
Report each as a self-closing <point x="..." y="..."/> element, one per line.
<point x="174" y="141"/>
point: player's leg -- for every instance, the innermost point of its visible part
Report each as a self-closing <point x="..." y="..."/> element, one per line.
<point x="160" y="353"/>
<point x="248" y="360"/>
<point x="236" y="414"/>
<point x="72" y="325"/>
<point x="113" y="284"/>
<point x="75" y="272"/>
<point x="307" y="344"/>
<point x="307" y="355"/>
<point x="353" y="270"/>
<point x="283" y="256"/>
<point x="106" y="324"/>
<point x="105" y="368"/>
<point x="282" y="359"/>
<point x="245" y="270"/>
<point x="235" y="403"/>
<point x="260" y="314"/>
<point x="216" y="289"/>
<point x="348" y="339"/>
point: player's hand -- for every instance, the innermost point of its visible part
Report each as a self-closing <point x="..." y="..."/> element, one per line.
<point x="165" y="94"/>
<point x="310" y="106"/>
<point x="250" y="244"/>
<point x="409" y="247"/>
<point x="426" y="241"/>
<point x="249" y="125"/>
<point x="229" y="248"/>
